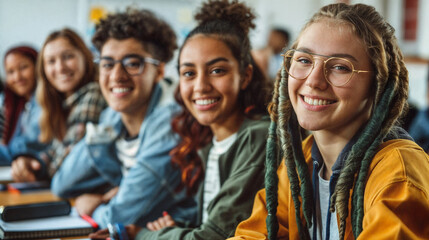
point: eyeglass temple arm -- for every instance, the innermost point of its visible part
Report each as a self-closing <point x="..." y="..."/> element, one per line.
<point x="153" y="61"/>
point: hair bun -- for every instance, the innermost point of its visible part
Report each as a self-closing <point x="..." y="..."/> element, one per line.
<point x="233" y="12"/>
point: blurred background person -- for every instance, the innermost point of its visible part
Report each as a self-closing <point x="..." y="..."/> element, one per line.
<point x="1" y="111"/>
<point x="269" y="58"/>
<point x="419" y="128"/>
<point x="19" y="107"/>
<point x="69" y="97"/>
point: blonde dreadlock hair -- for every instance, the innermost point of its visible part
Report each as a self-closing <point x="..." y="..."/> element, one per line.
<point x="391" y="92"/>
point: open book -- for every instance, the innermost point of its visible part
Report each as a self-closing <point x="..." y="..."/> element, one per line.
<point x="53" y="227"/>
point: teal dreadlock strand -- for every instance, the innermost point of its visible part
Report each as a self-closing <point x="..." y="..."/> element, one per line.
<point x="283" y="119"/>
<point x="380" y="114"/>
<point x="271" y="182"/>
<point x="303" y="172"/>
<point x="354" y="160"/>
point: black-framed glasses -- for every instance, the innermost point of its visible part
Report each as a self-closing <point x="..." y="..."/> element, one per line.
<point x="132" y="64"/>
<point x="338" y="71"/>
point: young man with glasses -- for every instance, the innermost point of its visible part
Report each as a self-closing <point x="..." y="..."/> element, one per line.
<point x="121" y="171"/>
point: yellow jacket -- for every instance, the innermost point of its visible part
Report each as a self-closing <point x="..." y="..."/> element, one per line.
<point x="396" y="198"/>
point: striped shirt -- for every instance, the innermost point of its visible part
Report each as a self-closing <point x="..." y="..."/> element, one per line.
<point x="212" y="177"/>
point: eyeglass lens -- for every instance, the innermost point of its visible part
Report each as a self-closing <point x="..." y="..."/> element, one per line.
<point x="132" y="65"/>
<point x="337" y="71"/>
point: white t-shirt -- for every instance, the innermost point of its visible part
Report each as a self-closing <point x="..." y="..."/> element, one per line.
<point x="126" y="150"/>
<point x="322" y="212"/>
<point x="212" y="177"/>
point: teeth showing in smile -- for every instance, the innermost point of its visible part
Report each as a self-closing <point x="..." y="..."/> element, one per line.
<point x="120" y="90"/>
<point x="63" y="78"/>
<point x="205" y="101"/>
<point x="316" y="102"/>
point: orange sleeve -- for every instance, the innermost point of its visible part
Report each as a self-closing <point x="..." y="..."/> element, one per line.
<point x="255" y="226"/>
<point x="400" y="212"/>
<point x="397" y="198"/>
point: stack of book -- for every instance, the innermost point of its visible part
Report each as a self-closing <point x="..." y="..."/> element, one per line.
<point x="43" y="220"/>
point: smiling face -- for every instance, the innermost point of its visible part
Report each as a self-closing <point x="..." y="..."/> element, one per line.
<point x="320" y="106"/>
<point x="64" y="65"/>
<point x="127" y="94"/>
<point x="20" y="74"/>
<point x="210" y="83"/>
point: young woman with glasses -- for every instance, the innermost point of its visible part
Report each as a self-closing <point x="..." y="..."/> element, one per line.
<point x="357" y="175"/>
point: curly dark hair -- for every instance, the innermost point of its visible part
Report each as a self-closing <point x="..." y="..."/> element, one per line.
<point x="156" y="36"/>
<point x="229" y="22"/>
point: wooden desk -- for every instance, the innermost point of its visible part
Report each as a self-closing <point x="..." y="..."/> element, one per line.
<point x="10" y="198"/>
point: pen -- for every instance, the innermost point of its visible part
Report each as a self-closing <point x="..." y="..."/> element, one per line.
<point x="90" y="220"/>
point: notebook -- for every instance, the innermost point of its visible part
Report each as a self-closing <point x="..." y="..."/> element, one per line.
<point x="71" y="225"/>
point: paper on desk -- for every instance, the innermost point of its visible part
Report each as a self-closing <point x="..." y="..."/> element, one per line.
<point x="5" y="173"/>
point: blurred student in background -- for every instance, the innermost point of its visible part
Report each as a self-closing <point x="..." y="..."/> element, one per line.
<point x="1" y="111"/>
<point x="20" y="109"/>
<point x="69" y="96"/>
<point x="121" y="171"/>
<point x="269" y="58"/>
<point x="419" y="128"/>
<point x="223" y="96"/>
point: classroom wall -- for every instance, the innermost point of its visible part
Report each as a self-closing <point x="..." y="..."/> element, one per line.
<point x="30" y="21"/>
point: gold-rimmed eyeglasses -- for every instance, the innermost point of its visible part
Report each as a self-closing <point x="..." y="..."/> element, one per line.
<point x="338" y="71"/>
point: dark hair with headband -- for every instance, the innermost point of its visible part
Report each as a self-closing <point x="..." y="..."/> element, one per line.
<point x="390" y="100"/>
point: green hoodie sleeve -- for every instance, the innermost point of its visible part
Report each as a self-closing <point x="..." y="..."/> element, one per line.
<point x="242" y="174"/>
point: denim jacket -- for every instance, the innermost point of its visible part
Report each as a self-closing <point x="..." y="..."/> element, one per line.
<point x="25" y="137"/>
<point x="148" y="189"/>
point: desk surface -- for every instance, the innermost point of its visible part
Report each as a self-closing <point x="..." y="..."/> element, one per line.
<point x="11" y="198"/>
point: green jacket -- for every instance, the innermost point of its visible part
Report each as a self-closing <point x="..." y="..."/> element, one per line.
<point x="241" y="176"/>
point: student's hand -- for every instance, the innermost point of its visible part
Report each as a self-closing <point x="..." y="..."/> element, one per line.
<point x="132" y="231"/>
<point x="100" y="234"/>
<point x="86" y="203"/>
<point x="110" y="194"/>
<point x="24" y="169"/>
<point x="165" y="221"/>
